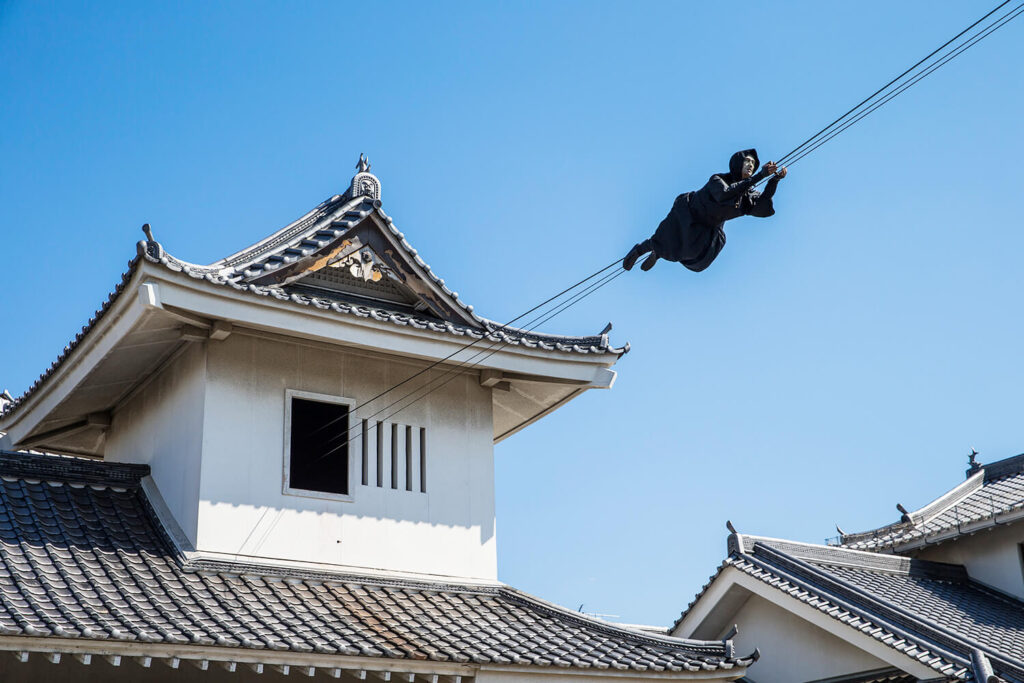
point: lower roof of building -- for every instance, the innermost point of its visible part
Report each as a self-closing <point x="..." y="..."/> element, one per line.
<point x="83" y="558"/>
<point x="992" y="494"/>
<point x="931" y="611"/>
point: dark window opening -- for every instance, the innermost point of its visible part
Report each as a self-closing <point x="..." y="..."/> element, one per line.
<point x="319" y="447"/>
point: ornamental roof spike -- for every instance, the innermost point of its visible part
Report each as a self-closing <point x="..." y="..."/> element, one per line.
<point x="972" y="462"/>
<point x="149" y="245"/>
<point x="364" y="183"/>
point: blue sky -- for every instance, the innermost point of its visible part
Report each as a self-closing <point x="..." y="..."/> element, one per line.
<point x="836" y="359"/>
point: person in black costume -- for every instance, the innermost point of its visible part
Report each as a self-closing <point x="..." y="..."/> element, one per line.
<point x="692" y="232"/>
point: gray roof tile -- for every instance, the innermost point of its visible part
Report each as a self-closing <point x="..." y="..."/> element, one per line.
<point x="82" y="556"/>
<point x="231" y="272"/>
<point x="930" y="611"/>
<point x="990" y="492"/>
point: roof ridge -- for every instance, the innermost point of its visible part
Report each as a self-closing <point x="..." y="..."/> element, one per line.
<point x="161" y="606"/>
<point x="945" y="512"/>
<point x="587" y="344"/>
<point x="948" y="499"/>
<point x="495" y="326"/>
<point x="817" y="552"/>
<point x="66" y="468"/>
<point x="243" y="567"/>
<point x="879" y="607"/>
<point x="1001" y="468"/>
<point x="828" y="554"/>
<point x="714" y="646"/>
<point x="924" y="514"/>
<point x="283" y="234"/>
<point x="736" y="559"/>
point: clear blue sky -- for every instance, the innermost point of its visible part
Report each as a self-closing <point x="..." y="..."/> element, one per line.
<point x="838" y="358"/>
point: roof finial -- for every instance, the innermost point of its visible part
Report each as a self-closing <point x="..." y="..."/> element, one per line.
<point x="730" y="649"/>
<point x="972" y="460"/>
<point x="904" y="512"/>
<point x="6" y="400"/>
<point x="730" y="527"/>
<point x="149" y="246"/>
<point x="364" y="183"/>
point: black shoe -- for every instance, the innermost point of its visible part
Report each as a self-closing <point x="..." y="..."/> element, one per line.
<point x="631" y="257"/>
<point x="649" y="261"/>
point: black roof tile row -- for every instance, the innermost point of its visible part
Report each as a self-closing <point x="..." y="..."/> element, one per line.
<point x="83" y="557"/>
<point x="933" y="612"/>
<point x="990" y="493"/>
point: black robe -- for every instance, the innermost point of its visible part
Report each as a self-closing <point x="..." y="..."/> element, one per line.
<point x="692" y="232"/>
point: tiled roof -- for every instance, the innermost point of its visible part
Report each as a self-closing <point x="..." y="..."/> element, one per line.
<point x="879" y="676"/>
<point x="83" y="558"/>
<point x="323" y="225"/>
<point x="987" y="497"/>
<point x="491" y="331"/>
<point x="288" y="244"/>
<point x="929" y="611"/>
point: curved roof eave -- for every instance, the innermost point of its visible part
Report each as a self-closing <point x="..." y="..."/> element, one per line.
<point x="223" y="274"/>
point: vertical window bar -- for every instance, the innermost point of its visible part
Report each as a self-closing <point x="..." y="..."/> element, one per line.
<point x="423" y="459"/>
<point x="380" y="455"/>
<point x="366" y="454"/>
<point x="394" y="455"/>
<point x="408" y="457"/>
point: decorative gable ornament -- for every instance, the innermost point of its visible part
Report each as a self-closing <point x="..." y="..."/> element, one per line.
<point x="364" y="183"/>
<point x="360" y="265"/>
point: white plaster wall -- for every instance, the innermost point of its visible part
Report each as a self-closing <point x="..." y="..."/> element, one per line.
<point x="449" y="530"/>
<point x="162" y="426"/>
<point x="991" y="556"/>
<point x="792" y="650"/>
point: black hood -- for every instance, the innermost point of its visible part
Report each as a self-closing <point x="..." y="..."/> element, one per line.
<point x="736" y="163"/>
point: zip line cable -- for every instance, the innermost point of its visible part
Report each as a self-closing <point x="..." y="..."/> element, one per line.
<point x="991" y="28"/>
<point x="812" y="143"/>
<point x="576" y="298"/>
<point x="452" y="375"/>
<point x="473" y="343"/>
<point x="884" y="87"/>
<point x="453" y="372"/>
<point x="831" y="131"/>
<point x="849" y="118"/>
<point x="809" y="145"/>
